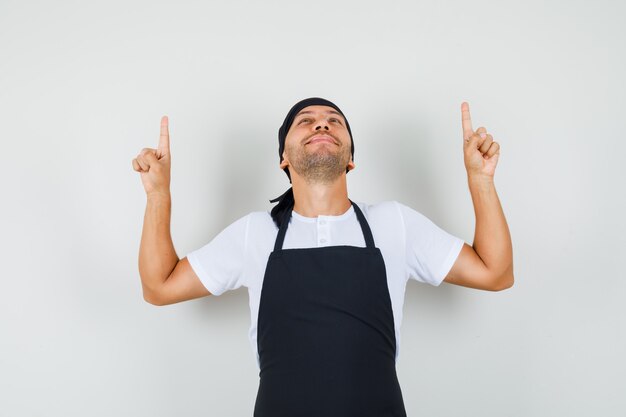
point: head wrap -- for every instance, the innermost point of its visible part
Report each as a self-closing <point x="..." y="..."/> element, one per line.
<point x="286" y="200"/>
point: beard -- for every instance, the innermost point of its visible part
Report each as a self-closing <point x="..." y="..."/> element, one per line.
<point x="322" y="164"/>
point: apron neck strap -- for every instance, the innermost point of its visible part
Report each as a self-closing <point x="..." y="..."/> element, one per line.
<point x="278" y="244"/>
<point x="367" y="232"/>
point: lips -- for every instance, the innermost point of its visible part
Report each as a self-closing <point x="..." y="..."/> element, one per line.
<point x="321" y="138"/>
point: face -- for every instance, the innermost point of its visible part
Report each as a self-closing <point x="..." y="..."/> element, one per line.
<point x="317" y="146"/>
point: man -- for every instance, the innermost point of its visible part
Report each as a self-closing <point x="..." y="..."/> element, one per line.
<point x="326" y="276"/>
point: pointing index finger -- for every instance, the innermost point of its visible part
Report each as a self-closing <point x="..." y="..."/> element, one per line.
<point x="466" y="120"/>
<point x="164" y="138"/>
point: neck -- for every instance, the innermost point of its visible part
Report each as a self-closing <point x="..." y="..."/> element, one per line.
<point x="315" y="199"/>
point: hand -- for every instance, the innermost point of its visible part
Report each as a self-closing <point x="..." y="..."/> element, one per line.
<point x="481" y="152"/>
<point x="154" y="164"/>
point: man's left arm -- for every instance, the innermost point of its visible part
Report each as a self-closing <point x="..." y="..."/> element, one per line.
<point x="488" y="263"/>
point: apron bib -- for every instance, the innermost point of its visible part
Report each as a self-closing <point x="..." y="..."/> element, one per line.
<point x="325" y="332"/>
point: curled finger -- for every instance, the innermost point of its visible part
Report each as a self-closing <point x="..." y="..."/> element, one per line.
<point x="143" y="163"/>
<point x="475" y="141"/>
<point x="136" y="165"/>
<point x="486" y="144"/>
<point x="151" y="158"/>
<point x="493" y="149"/>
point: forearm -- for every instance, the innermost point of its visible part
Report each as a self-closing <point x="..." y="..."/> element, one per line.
<point x="157" y="256"/>
<point x="492" y="240"/>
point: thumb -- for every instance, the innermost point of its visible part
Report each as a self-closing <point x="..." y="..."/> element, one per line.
<point x="164" y="138"/>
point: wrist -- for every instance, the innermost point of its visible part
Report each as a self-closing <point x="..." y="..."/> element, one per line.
<point x="479" y="179"/>
<point x="480" y="182"/>
<point x="159" y="195"/>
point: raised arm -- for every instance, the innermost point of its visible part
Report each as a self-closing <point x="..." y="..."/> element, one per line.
<point x="164" y="278"/>
<point x="488" y="263"/>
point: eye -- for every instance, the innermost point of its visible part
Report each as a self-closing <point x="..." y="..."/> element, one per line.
<point x="303" y="120"/>
<point x="336" y="120"/>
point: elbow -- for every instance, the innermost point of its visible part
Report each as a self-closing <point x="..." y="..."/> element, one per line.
<point x="151" y="297"/>
<point x="504" y="284"/>
<point x="151" y="300"/>
<point x="505" y="281"/>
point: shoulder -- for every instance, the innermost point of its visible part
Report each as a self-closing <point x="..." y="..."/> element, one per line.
<point x="393" y="213"/>
<point x="384" y="216"/>
<point x="260" y="217"/>
<point x="251" y="225"/>
<point x="384" y="210"/>
<point x="260" y="223"/>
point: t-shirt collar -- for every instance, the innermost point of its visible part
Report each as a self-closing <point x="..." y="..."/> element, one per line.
<point x="340" y="217"/>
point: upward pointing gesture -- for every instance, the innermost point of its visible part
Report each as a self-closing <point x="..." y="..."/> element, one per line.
<point x="481" y="153"/>
<point x="164" y="139"/>
<point x="466" y="121"/>
<point x="154" y="164"/>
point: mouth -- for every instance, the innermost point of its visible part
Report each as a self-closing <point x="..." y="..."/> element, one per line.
<point x="321" y="138"/>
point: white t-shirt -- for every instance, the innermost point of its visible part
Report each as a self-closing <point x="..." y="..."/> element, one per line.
<point x="412" y="247"/>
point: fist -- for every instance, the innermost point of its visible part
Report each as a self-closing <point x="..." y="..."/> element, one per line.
<point x="154" y="164"/>
<point x="480" y="151"/>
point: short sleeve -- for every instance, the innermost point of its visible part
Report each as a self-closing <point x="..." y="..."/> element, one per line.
<point x="220" y="263"/>
<point x="430" y="250"/>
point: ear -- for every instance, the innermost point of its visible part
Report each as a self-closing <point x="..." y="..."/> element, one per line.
<point x="351" y="165"/>
<point x="285" y="163"/>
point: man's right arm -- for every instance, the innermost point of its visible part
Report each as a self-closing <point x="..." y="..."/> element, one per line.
<point x="164" y="278"/>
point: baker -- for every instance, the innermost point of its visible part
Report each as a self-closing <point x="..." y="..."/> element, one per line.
<point x="326" y="276"/>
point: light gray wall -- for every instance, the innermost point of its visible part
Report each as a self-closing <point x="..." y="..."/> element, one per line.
<point x="83" y="86"/>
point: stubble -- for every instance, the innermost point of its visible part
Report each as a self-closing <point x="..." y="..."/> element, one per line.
<point x="319" y="163"/>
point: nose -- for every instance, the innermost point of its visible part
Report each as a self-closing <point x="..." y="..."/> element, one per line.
<point x="322" y="123"/>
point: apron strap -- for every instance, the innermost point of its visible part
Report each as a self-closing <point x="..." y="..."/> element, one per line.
<point x="278" y="245"/>
<point x="367" y="232"/>
<point x="365" y="228"/>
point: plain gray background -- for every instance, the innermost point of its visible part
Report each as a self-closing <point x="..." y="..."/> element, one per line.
<point x="83" y="86"/>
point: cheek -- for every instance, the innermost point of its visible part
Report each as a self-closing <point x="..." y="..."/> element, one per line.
<point x="290" y="140"/>
<point x="288" y="145"/>
<point x="294" y="139"/>
<point x="290" y="149"/>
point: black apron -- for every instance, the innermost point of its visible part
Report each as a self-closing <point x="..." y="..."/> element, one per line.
<point x="325" y="332"/>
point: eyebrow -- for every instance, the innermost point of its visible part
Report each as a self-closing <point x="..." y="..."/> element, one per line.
<point x="327" y="112"/>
